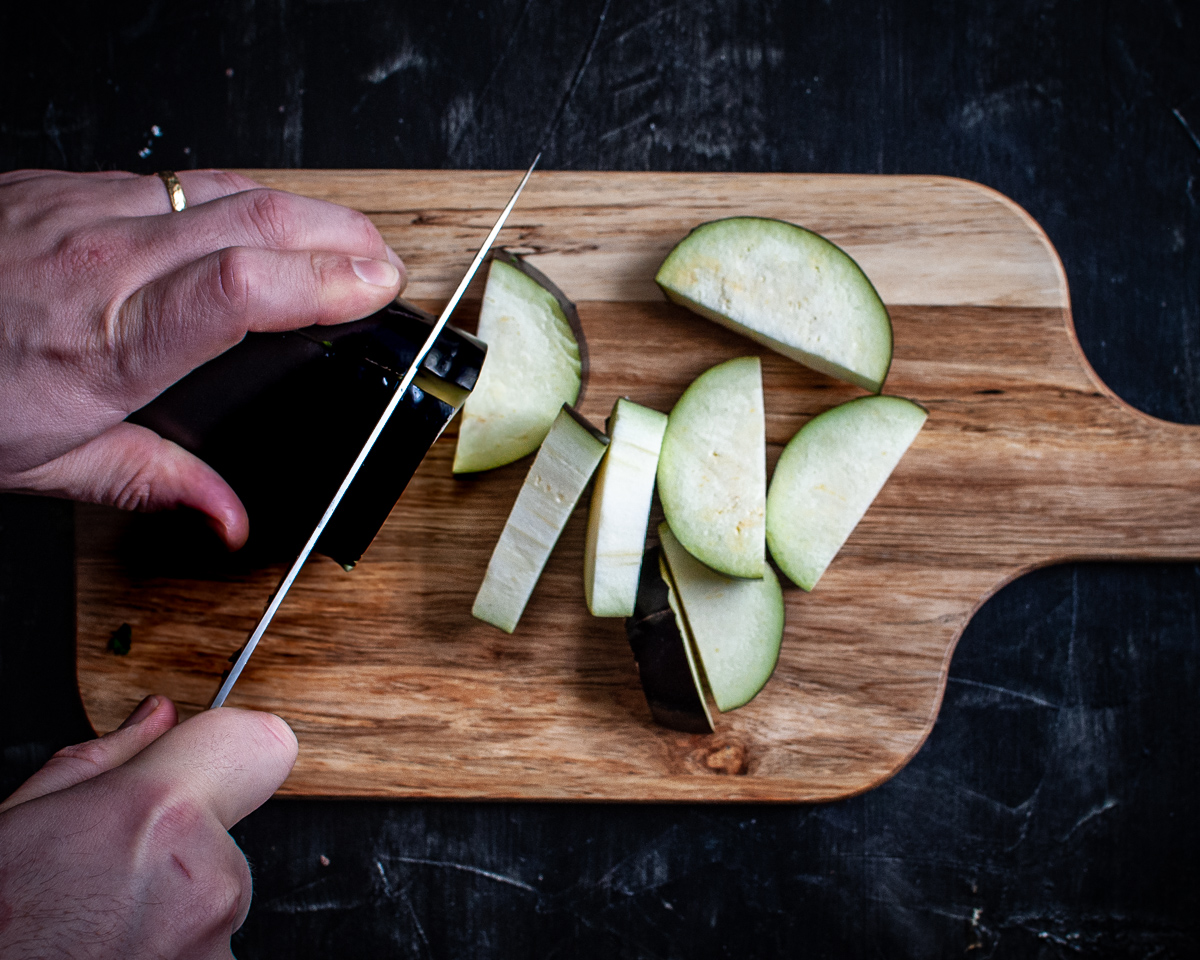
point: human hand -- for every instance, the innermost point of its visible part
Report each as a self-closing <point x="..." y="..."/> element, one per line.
<point x="107" y="298"/>
<point x="119" y="847"/>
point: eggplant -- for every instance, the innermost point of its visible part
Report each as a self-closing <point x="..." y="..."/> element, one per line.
<point x="736" y="626"/>
<point x="529" y="324"/>
<point x="787" y="288"/>
<point x="712" y="469"/>
<point x="282" y="416"/>
<point x="828" y="476"/>
<point x="666" y="666"/>
<point x="556" y="480"/>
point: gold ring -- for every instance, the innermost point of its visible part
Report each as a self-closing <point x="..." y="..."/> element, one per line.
<point x="174" y="190"/>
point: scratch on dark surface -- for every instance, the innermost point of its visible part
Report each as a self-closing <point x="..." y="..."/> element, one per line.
<point x="387" y="887"/>
<point x="1186" y="126"/>
<point x="1004" y="690"/>
<point x="645" y="869"/>
<point x="319" y="906"/>
<point x="1023" y="809"/>
<point x="293" y="123"/>
<point x="467" y="868"/>
<point x="296" y="901"/>
<point x="621" y="935"/>
<point x="51" y="130"/>
<point x="402" y="893"/>
<point x="415" y="919"/>
<point x="544" y="140"/>
<point x="630" y="89"/>
<point x="645" y="22"/>
<point x="406" y="58"/>
<point x="639" y="121"/>
<point x="1091" y="815"/>
<point x="995" y="106"/>
<point x="469" y="122"/>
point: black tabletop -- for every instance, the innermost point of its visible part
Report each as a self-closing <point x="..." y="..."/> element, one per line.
<point x="1052" y="811"/>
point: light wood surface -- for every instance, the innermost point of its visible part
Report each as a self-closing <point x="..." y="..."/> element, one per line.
<point x="394" y="690"/>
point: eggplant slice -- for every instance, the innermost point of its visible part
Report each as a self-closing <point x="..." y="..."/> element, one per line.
<point x="659" y="640"/>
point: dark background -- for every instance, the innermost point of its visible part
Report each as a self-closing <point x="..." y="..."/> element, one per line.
<point x="1052" y="812"/>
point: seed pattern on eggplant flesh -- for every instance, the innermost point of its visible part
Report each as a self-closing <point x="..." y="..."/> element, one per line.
<point x="535" y="364"/>
<point x="712" y="472"/>
<point x="555" y="482"/>
<point x="787" y="288"/>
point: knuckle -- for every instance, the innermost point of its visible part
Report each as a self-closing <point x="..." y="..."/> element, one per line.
<point x="325" y="269"/>
<point x="221" y="894"/>
<point x="233" y="280"/>
<point x="90" y="251"/>
<point x="212" y="875"/>
<point x="365" y="230"/>
<point x="271" y="214"/>
<point x="173" y="821"/>
<point x="232" y="182"/>
<point x="90" y="756"/>
<point x="90" y="752"/>
<point x="136" y="492"/>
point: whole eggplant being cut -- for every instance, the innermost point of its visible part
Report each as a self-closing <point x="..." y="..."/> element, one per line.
<point x="281" y="416"/>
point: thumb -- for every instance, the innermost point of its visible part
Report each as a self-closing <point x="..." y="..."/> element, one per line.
<point x="226" y="760"/>
<point x="132" y="467"/>
<point x="153" y="717"/>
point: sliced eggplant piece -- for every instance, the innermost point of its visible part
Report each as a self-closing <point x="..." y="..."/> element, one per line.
<point x="712" y="472"/>
<point x="536" y="363"/>
<point x="281" y="416"/>
<point x="789" y="289"/>
<point x="661" y="647"/>
<point x="827" y="477"/>
<point x="620" y="511"/>
<point x="735" y="625"/>
<point x="560" y="473"/>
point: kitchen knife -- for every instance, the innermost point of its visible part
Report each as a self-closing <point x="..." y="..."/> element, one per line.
<point x="289" y="578"/>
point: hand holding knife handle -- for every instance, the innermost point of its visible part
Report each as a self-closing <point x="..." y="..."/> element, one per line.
<point x="290" y="577"/>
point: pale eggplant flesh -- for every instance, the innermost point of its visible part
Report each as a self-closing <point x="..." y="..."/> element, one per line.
<point x="568" y="308"/>
<point x="667" y="674"/>
<point x="282" y="416"/>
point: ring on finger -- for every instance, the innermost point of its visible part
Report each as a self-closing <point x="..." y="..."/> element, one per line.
<point x="174" y="190"/>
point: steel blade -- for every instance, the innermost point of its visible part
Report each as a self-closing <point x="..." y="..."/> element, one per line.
<point x="290" y="577"/>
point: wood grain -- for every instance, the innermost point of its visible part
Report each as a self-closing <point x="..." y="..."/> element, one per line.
<point x="394" y="690"/>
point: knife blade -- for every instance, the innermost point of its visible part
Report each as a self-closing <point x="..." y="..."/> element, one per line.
<point x="231" y="677"/>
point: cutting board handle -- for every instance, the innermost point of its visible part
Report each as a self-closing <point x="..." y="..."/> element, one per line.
<point x="1122" y="484"/>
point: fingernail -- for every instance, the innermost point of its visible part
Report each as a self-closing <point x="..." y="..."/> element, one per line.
<point x="396" y="262"/>
<point x="394" y="259"/>
<point x="378" y="273"/>
<point x="143" y="711"/>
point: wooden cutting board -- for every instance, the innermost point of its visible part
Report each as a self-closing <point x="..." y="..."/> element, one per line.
<point x="395" y="691"/>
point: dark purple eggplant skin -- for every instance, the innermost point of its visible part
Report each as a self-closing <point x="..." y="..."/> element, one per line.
<point x="658" y="648"/>
<point x="281" y="416"/>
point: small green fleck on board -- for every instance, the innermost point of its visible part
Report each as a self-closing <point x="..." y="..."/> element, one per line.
<point x="121" y="640"/>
